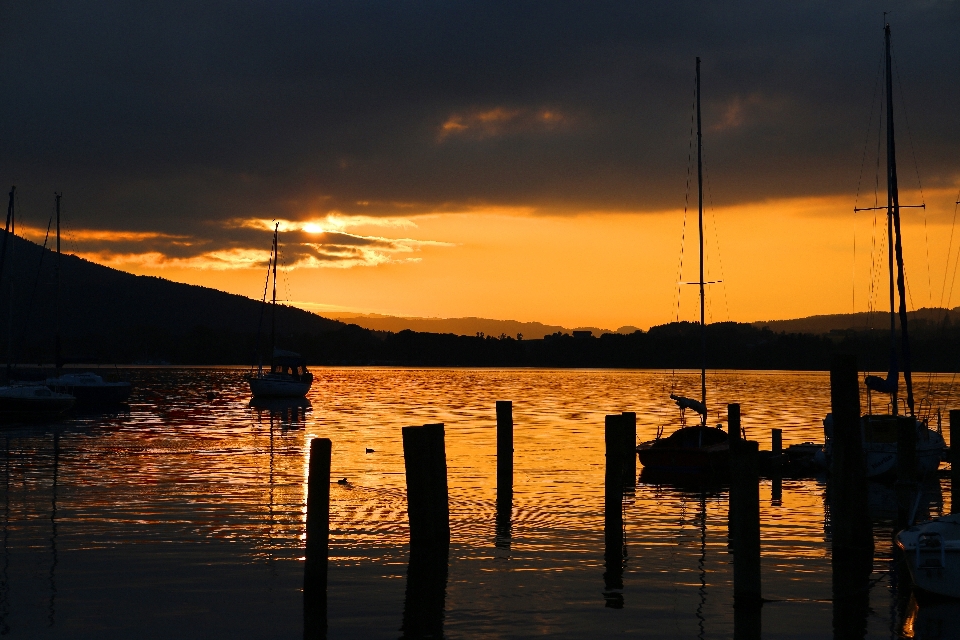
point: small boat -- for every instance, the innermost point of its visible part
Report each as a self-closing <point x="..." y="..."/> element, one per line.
<point x="90" y="389"/>
<point x="32" y="402"/>
<point x="691" y="450"/>
<point x="880" y="431"/>
<point x="932" y="552"/>
<point x="288" y="376"/>
<point x="688" y="451"/>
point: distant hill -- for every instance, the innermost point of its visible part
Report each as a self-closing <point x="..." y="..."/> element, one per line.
<point x="855" y="321"/>
<point x="460" y="326"/>
<point x="110" y="316"/>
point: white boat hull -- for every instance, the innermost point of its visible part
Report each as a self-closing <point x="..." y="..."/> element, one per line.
<point x="881" y="456"/>
<point x="932" y="552"/>
<point x="268" y="386"/>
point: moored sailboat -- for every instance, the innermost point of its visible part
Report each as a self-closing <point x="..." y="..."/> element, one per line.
<point x="89" y="389"/>
<point x="699" y="449"/>
<point x="881" y="431"/>
<point x="25" y="401"/>
<point x="288" y="376"/>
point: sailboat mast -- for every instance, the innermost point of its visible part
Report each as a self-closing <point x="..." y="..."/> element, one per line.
<point x="273" y="305"/>
<point x="58" y="359"/>
<point x="11" y="231"/>
<point x="893" y="208"/>
<point x="703" y="326"/>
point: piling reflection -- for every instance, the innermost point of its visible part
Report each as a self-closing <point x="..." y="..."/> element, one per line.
<point x="315" y="605"/>
<point x="5" y="573"/>
<point x="504" y="518"/>
<point x="53" y="529"/>
<point x="851" y="593"/>
<point x="426" y="592"/>
<point x="701" y="568"/>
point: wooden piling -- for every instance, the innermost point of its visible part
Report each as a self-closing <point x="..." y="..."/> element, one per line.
<point x="504" y="446"/>
<point x="745" y="505"/>
<point x="504" y="473"/>
<point x="849" y="516"/>
<point x="629" y="422"/>
<point x="733" y="423"/>
<point x="614" y="440"/>
<point x="776" y="451"/>
<point x="954" y="429"/>
<point x="425" y="463"/>
<point x="317" y="540"/>
<point x="614" y="544"/>
<point x="906" y="469"/>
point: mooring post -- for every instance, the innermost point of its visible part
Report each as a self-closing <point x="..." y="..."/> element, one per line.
<point x="776" y="465"/>
<point x="629" y="422"/>
<point x="504" y="446"/>
<point x="614" y="545"/>
<point x="317" y="540"/>
<point x="425" y="463"/>
<point x="906" y="469"/>
<point x="733" y="423"/>
<point x="954" y="428"/>
<point x="504" y="473"/>
<point x="852" y="545"/>
<point x="745" y="498"/>
<point x="733" y="439"/>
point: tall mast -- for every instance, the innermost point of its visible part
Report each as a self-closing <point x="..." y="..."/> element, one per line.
<point x="703" y="326"/>
<point x="12" y="218"/>
<point x="893" y="215"/>
<point x="58" y="359"/>
<point x="273" y="305"/>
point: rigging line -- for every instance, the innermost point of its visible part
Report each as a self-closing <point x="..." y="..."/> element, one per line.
<point x="853" y="270"/>
<point x="906" y="120"/>
<point x="949" y="251"/>
<point x="953" y="279"/>
<point x="686" y="203"/>
<point x="33" y="293"/>
<point x="866" y="138"/>
<point x="716" y="238"/>
<point x="263" y="305"/>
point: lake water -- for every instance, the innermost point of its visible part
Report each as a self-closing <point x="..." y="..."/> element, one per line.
<point x="184" y="516"/>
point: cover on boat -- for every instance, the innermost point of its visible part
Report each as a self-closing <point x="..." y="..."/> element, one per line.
<point x="689" y="403"/>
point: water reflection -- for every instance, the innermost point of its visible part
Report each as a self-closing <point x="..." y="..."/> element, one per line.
<point x="53" y="527"/>
<point x="5" y="573"/>
<point x="426" y="592"/>
<point x="185" y="494"/>
<point x="288" y="413"/>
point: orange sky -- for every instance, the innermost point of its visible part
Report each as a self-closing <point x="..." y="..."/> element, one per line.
<point x="777" y="259"/>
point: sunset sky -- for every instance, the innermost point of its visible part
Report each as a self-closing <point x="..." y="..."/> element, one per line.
<point x="513" y="160"/>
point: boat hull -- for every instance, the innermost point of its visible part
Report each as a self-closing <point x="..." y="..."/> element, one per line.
<point x="38" y="407"/>
<point x="271" y="387"/>
<point x="932" y="553"/>
<point x="668" y="460"/>
<point x="95" y="395"/>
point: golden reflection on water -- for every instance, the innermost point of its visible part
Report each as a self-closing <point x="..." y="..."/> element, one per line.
<point x="183" y="466"/>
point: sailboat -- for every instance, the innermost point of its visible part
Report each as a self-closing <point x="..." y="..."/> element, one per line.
<point x="88" y="388"/>
<point x="697" y="449"/>
<point x="25" y="401"/>
<point x="881" y="431"/>
<point x="288" y="376"/>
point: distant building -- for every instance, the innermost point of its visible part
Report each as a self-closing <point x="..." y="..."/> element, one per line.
<point x="583" y="334"/>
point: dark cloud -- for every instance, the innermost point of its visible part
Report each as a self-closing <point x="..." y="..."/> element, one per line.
<point x="177" y="116"/>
